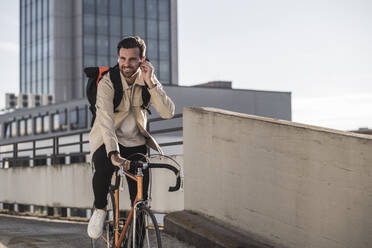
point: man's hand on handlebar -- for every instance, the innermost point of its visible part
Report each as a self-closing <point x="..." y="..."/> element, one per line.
<point x="119" y="161"/>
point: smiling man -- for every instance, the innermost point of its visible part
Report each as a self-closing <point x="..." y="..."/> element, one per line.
<point x="117" y="135"/>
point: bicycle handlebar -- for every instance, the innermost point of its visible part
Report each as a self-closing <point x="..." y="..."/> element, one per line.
<point x="139" y="164"/>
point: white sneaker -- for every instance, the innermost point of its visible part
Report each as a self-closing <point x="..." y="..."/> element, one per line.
<point x="95" y="226"/>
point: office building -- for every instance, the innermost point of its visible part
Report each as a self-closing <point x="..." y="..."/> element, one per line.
<point x="59" y="38"/>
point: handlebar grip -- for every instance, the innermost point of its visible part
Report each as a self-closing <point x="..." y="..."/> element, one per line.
<point x="178" y="185"/>
<point x="172" y="168"/>
<point x="139" y="164"/>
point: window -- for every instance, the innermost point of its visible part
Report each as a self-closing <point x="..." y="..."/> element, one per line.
<point x="39" y="16"/>
<point x="29" y="128"/>
<point x="51" y="27"/>
<point x="28" y="24"/>
<point x="14" y="129"/>
<point x="164" y="71"/>
<point x="127" y="27"/>
<point x="38" y="125"/>
<point x="38" y="85"/>
<point x="45" y="11"/>
<point x="45" y="46"/>
<point x="33" y="21"/>
<point x="45" y="85"/>
<point x="152" y="29"/>
<point x="101" y="7"/>
<point x="82" y="117"/>
<point x="102" y="45"/>
<point x="164" y="50"/>
<point x="7" y="128"/>
<point x="152" y="49"/>
<point x="51" y="72"/>
<point x="155" y="63"/>
<point x="163" y="30"/>
<point x="89" y="24"/>
<point x="59" y="121"/>
<point x="74" y="118"/>
<point x="102" y="24"/>
<point x="88" y="6"/>
<point x="164" y="10"/>
<point x="23" y="86"/>
<point x="46" y="123"/>
<point x="89" y="60"/>
<point x="140" y="27"/>
<point x="55" y="122"/>
<point x="114" y="40"/>
<point x="63" y="119"/>
<point x="114" y="25"/>
<point x="115" y="7"/>
<point x="22" y="127"/>
<point x="89" y="44"/>
<point x="127" y="8"/>
<point x="102" y="60"/>
<point x="152" y="10"/>
<point x="139" y="10"/>
<point x="78" y="117"/>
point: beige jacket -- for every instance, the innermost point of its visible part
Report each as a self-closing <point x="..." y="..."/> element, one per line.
<point x="106" y="123"/>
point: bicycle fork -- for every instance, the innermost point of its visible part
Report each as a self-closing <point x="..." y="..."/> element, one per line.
<point x="138" y="200"/>
<point x="132" y="213"/>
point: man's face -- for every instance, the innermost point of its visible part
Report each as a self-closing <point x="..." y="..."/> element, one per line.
<point x="129" y="61"/>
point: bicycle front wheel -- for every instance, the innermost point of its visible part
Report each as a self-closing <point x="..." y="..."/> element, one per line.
<point x="146" y="233"/>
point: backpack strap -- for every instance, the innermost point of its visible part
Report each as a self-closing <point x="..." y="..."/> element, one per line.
<point x="118" y="87"/>
<point x="101" y="71"/>
<point x="146" y="98"/>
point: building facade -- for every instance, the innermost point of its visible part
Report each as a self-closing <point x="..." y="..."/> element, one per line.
<point x="67" y="118"/>
<point x="59" y="38"/>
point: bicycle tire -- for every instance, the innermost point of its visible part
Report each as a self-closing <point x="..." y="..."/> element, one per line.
<point x="109" y="226"/>
<point x="146" y="229"/>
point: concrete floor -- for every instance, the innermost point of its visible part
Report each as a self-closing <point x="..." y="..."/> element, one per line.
<point x="19" y="232"/>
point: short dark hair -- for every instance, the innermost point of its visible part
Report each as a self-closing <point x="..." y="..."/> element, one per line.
<point x="133" y="42"/>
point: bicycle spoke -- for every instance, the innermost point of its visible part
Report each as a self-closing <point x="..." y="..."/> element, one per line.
<point x="147" y="233"/>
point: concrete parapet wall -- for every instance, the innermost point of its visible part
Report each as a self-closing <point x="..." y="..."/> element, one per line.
<point x="289" y="184"/>
<point x="71" y="186"/>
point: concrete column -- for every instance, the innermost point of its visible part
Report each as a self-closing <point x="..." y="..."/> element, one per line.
<point x="16" y="209"/>
<point x="32" y="208"/>
<point x="1" y="205"/>
<point x="68" y="212"/>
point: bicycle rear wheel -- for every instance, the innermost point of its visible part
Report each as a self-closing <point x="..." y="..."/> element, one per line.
<point x="147" y="234"/>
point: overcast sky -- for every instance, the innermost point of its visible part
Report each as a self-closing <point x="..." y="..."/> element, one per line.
<point x="321" y="51"/>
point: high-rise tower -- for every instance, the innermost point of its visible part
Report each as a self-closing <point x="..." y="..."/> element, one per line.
<point x="59" y="38"/>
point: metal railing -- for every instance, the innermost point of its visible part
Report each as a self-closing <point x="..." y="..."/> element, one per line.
<point x="10" y="152"/>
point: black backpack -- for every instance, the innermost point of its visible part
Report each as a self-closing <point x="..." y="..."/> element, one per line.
<point x="95" y="74"/>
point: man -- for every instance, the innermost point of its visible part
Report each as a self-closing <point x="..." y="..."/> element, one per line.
<point x="117" y="135"/>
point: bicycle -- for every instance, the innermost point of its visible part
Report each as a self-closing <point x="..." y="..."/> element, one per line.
<point x="140" y="229"/>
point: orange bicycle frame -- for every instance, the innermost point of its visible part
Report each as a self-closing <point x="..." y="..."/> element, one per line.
<point x="119" y="239"/>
